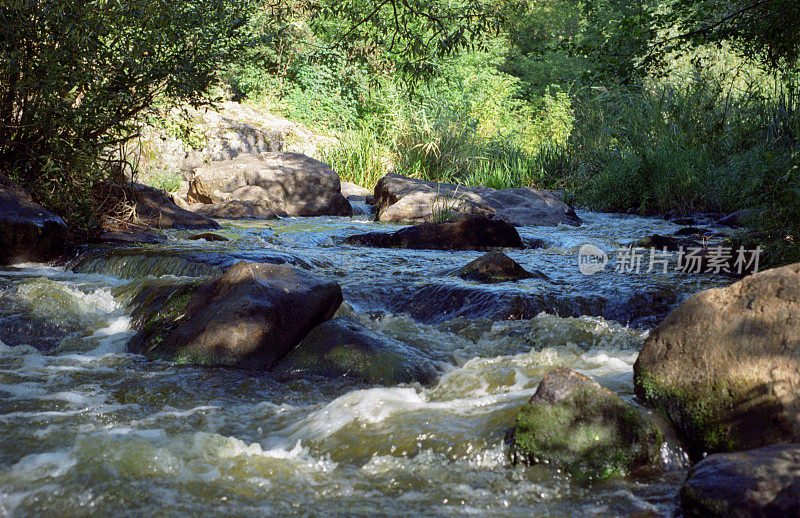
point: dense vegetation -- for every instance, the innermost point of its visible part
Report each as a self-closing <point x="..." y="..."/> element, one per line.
<point x="655" y="106"/>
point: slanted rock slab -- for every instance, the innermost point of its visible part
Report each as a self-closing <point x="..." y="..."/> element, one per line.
<point x="248" y="318"/>
<point x="156" y="209"/>
<point x="573" y="423"/>
<point x="469" y="233"/>
<point x="724" y="366"/>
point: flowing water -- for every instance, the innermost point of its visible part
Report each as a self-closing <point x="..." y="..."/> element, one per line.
<point x="89" y="429"/>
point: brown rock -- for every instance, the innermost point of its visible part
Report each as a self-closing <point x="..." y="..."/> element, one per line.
<point x="724" y="366"/>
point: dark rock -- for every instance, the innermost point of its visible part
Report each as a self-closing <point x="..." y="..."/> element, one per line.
<point x="577" y="425"/>
<point x="154" y="208"/>
<point x="251" y="316"/>
<point x="408" y="200"/>
<point x="28" y="231"/>
<point x="757" y="483"/>
<point x="494" y="267"/>
<point x="208" y="236"/>
<point x="470" y="233"/>
<point x="685" y="221"/>
<point x="342" y="347"/>
<point x="727" y="358"/>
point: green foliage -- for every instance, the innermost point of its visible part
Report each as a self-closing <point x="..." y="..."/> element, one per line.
<point x="74" y="76"/>
<point x="169" y="182"/>
<point x="359" y="157"/>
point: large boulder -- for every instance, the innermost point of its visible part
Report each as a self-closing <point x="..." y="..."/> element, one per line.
<point x="408" y="200"/>
<point x="470" y="233"/>
<point x="289" y="183"/>
<point x="155" y="208"/>
<point x="725" y="359"/>
<point x="494" y="267"/>
<point x="764" y="482"/>
<point x="28" y="231"/>
<point x="342" y="347"/>
<point x="248" y="318"/>
<point x="575" y="424"/>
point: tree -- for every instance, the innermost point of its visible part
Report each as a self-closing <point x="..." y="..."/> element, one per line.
<point x="74" y="75"/>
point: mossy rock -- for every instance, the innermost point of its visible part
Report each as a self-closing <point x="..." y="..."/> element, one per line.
<point x="342" y="347"/>
<point x="723" y="365"/>
<point x="577" y="425"/>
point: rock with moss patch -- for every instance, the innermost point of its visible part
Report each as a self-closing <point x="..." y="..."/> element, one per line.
<point x="248" y="318"/>
<point x="727" y="358"/>
<point x="577" y="425"/>
<point x="763" y="482"/>
<point x="342" y="347"/>
<point x="494" y="267"/>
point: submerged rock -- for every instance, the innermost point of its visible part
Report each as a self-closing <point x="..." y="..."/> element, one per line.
<point x="577" y="425"/>
<point x="727" y="358"/>
<point x="658" y="242"/>
<point x="494" y="267"/>
<point x="248" y="318"/>
<point x="763" y="482"/>
<point x="208" y="236"/>
<point x="342" y="347"/>
<point x="290" y="183"/>
<point x="408" y="200"/>
<point x="471" y="233"/>
<point x="28" y="231"/>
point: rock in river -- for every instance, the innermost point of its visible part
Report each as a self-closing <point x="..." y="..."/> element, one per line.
<point x="724" y="366"/>
<point x="470" y="233"/>
<point x="28" y="231"/>
<point x="289" y="183"/>
<point x="764" y="482"/>
<point x="249" y="317"/>
<point x="408" y="200"/>
<point x="494" y="267"/>
<point x="342" y="347"/>
<point x="577" y="425"/>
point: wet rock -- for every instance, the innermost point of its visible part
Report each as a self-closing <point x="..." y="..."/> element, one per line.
<point x="408" y="200"/>
<point x="291" y="183"/>
<point x="685" y="221"/>
<point x="727" y="358"/>
<point x="436" y="302"/>
<point x="235" y="209"/>
<point x="764" y="482"/>
<point x="469" y="233"/>
<point x="575" y="424"/>
<point x="342" y="347"/>
<point x="28" y="231"/>
<point x="208" y="236"/>
<point x="154" y="208"/>
<point x="248" y="318"/>
<point x="494" y="267"/>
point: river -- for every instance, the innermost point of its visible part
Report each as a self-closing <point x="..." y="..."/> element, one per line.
<point x="89" y="429"/>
